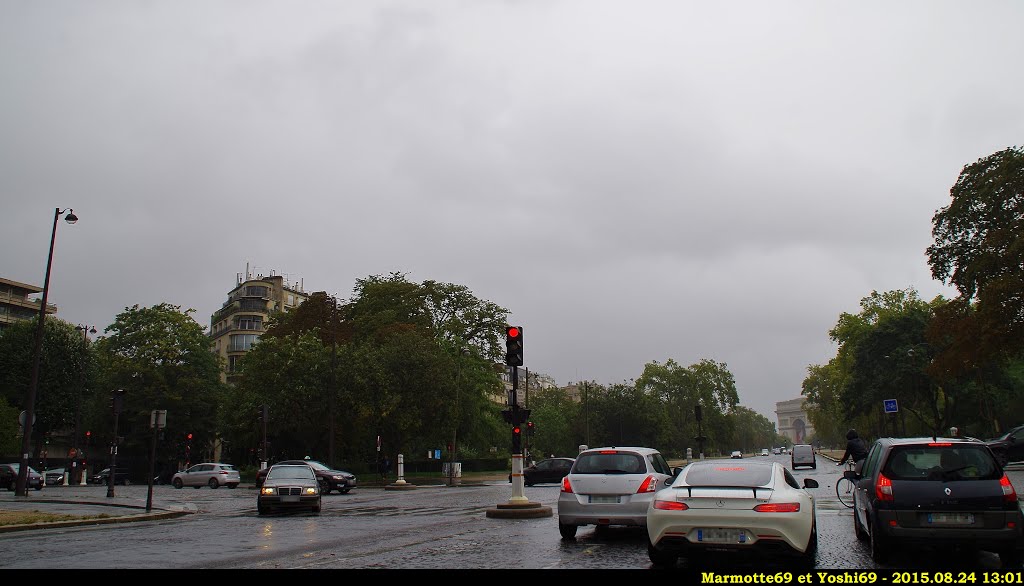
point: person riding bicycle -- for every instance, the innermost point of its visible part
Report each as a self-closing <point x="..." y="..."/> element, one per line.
<point x="856" y="450"/>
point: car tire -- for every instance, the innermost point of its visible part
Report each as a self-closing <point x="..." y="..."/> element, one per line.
<point x="214" y="484"/>
<point x="316" y="510"/>
<point x="567" y="531"/>
<point x="809" y="557"/>
<point x="178" y="483"/>
<point x="345" y="491"/>
<point x="662" y="559"/>
<point x="879" y="546"/>
<point x="859" y="531"/>
<point x="261" y="509"/>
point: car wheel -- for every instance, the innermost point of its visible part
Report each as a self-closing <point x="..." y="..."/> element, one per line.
<point x="178" y="483"/>
<point x="567" y="531"/>
<point x="1010" y="558"/>
<point x="261" y="509"/>
<point x="659" y="558"/>
<point x="859" y="531"/>
<point x="345" y="491"/>
<point x="879" y="547"/>
<point x="316" y="510"/>
<point x="213" y="483"/>
<point x="810" y="554"/>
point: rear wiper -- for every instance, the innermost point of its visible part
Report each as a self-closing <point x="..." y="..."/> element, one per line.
<point x="614" y="471"/>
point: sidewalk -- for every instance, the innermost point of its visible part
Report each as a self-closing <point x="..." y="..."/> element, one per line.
<point x="78" y="501"/>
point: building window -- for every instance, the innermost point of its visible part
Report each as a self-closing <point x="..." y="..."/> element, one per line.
<point x="242" y="342"/>
<point x="233" y="362"/>
<point x="255" y="291"/>
<point x="250" y="322"/>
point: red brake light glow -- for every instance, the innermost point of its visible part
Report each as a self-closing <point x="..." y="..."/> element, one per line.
<point x="670" y="505"/>
<point x="608" y="452"/>
<point x="1009" y="495"/>
<point x="566" y="487"/>
<point x="883" y="488"/>
<point x="939" y="444"/>
<point x="778" y="508"/>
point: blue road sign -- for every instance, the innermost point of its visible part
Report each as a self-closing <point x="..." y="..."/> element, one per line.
<point x="890" y="406"/>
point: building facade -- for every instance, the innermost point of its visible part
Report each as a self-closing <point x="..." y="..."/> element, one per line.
<point x="16" y="305"/>
<point x="793" y="421"/>
<point x="239" y="323"/>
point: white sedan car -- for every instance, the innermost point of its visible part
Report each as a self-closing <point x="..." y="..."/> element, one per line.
<point x="754" y="506"/>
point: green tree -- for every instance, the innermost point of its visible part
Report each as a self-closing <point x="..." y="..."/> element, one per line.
<point x="979" y="249"/>
<point x="161" y="357"/>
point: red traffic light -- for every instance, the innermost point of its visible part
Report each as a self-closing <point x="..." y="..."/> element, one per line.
<point x="516" y="430"/>
<point x="513" y="332"/>
<point x="189" y="436"/>
<point x="88" y="433"/>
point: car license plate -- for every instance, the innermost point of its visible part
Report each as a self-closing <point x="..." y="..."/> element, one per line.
<point x="721" y="536"/>
<point x="602" y="499"/>
<point x="290" y="498"/>
<point x="950" y="518"/>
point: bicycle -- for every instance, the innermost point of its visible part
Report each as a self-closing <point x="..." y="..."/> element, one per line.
<point x="844" y="487"/>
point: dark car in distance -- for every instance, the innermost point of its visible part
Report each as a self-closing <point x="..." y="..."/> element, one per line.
<point x="9" y="477"/>
<point x="935" y="492"/>
<point x="329" y="478"/>
<point x="103" y="477"/>
<point x="1008" y="447"/>
<point x="546" y="470"/>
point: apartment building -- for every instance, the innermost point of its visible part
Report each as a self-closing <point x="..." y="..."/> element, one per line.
<point x="15" y="304"/>
<point x="236" y="326"/>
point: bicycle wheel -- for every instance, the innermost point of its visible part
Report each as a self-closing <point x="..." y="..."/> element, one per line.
<point x="844" y="490"/>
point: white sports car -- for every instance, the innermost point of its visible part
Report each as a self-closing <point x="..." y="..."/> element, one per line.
<point x="754" y="506"/>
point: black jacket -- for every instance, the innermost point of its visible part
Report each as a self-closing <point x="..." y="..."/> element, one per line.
<point x="855" y="449"/>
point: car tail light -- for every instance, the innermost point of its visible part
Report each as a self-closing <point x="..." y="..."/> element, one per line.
<point x="566" y="487"/>
<point x="650" y="484"/>
<point x="1009" y="495"/>
<point x="939" y="444"/>
<point x="778" y="508"/>
<point x="224" y="472"/>
<point x="670" y="505"/>
<point x="883" y="488"/>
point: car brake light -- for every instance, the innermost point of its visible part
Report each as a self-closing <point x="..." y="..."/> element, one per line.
<point x="670" y="505"/>
<point x="939" y="444"/>
<point x="1009" y="495"/>
<point x="608" y="452"/>
<point x="883" y="488"/>
<point x="650" y="484"/>
<point x="566" y="487"/>
<point x="778" y="508"/>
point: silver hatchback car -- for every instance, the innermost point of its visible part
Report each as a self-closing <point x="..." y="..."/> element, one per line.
<point x="611" y="486"/>
<point x="212" y="474"/>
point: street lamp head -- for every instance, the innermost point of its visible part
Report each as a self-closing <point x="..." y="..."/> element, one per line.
<point x="71" y="218"/>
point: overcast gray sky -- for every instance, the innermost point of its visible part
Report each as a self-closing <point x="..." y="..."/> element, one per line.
<point x="635" y="181"/>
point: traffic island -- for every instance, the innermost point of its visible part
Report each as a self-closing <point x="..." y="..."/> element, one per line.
<point x="519" y="510"/>
<point x="400" y="484"/>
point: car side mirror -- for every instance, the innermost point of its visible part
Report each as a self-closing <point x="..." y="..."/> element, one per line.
<point x="851" y="475"/>
<point x="810" y="483"/>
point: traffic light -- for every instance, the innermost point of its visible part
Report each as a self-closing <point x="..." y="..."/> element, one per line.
<point x="514" y="345"/>
<point x="530" y="428"/>
<point x="517" y="438"/>
<point x="117" y="401"/>
<point x="697" y="413"/>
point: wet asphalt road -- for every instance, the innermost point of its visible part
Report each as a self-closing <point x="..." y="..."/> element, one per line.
<point x="433" y="527"/>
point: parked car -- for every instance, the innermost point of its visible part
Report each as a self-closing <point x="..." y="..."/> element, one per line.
<point x="212" y="474"/>
<point x="933" y="492"/>
<point x="802" y="455"/>
<point x="1008" y="447"/>
<point x="764" y="452"/>
<point x="753" y="507"/>
<point x="546" y="470"/>
<point x="736" y="454"/>
<point x="55" y="476"/>
<point x="103" y="477"/>
<point x="611" y="486"/>
<point x="289" y="486"/>
<point x="329" y="478"/>
<point x="777" y="451"/>
<point x="9" y="477"/>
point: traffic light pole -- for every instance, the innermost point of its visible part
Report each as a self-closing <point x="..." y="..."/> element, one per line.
<point x="518" y="487"/>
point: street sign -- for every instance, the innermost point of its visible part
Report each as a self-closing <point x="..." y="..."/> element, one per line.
<point x="890" y="406"/>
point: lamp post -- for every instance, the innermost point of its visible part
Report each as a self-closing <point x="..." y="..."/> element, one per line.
<point x="455" y="423"/>
<point x="86" y="330"/>
<point x="37" y="346"/>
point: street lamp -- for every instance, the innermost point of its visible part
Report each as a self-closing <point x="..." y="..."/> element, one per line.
<point x="455" y="423"/>
<point x="37" y="346"/>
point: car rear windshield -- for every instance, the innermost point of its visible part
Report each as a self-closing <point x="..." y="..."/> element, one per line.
<point x="609" y="462"/>
<point x="729" y="475"/>
<point x="941" y="461"/>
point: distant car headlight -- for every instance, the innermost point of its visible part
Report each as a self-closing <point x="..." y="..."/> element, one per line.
<point x="338" y="477"/>
<point x="311" y="490"/>
<point x="268" y="490"/>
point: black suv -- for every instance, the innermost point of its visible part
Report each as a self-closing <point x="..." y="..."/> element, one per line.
<point x="1009" y="447"/>
<point x="936" y="492"/>
<point x="103" y="477"/>
<point x="328" y="478"/>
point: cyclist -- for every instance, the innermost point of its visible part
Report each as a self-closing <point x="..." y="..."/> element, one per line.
<point x="856" y="450"/>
